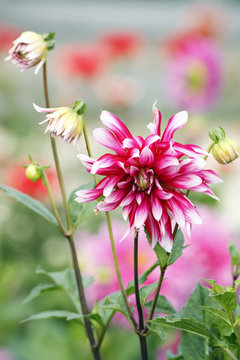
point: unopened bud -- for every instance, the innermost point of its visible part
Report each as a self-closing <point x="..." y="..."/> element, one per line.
<point x="217" y="134"/>
<point x="226" y="150"/>
<point x="33" y="173"/>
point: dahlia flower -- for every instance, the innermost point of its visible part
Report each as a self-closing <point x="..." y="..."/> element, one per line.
<point x="194" y="75"/>
<point x="64" y="122"/>
<point x="28" y="50"/>
<point x="147" y="177"/>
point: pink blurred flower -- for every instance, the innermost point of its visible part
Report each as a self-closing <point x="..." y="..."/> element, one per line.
<point x="85" y="60"/>
<point x="95" y="258"/>
<point x="194" y="75"/>
<point x="5" y="354"/>
<point x="121" y="43"/>
<point x="119" y="91"/>
<point x="147" y="176"/>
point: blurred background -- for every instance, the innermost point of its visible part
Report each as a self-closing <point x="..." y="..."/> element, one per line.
<point x="118" y="56"/>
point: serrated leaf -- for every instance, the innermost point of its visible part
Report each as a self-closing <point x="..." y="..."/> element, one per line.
<point x="146" y="291"/>
<point x="39" y="290"/>
<point x="217" y="312"/>
<point x="163" y="306"/>
<point x="187" y="324"/>
<point x="67" y="280"/>
<point x="177" y="248"/>
<point x="162" y="255"/>
<point x="228" y="300"/>
<point x="192" y="346"/>
<point x="79" y="211"/>
<point x="60" y="314"/>
<point x="31" y="203"/>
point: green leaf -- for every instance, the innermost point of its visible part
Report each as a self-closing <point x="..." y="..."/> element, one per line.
<point x="177" y="248"/>
<point x="67" y="281"/>
<point x="171" y="356"/>
<point x="79" y="211"/>
<point x="190" y="325"/>
<point x="163" y="306"/>
<point x="31" y="203"/>
<point x="192" y="347"/>
<point x="162" y="255"/>
<point x="217" y="313"/>
<point x="116" y="303"/>
<point x="146" y="291"/>
<point x="60" y="314"/>
<point x="234" y="253"/>
<point x="39" y="290"/>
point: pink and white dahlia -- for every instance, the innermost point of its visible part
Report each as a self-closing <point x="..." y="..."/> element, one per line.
<point x="147" y="177"/>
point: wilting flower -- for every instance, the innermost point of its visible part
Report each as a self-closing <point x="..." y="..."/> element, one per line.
<point x="64" y="122"/>
<point x="147" y="176"/>
<point x="28" y="50"/>
<point x="194" y="75"/>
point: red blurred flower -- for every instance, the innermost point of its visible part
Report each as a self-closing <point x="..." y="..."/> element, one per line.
<point x="86" y="60"/>
<point x="7" y="35"/>
<point x="121" y="43"/>
<point x="15" y="177"/>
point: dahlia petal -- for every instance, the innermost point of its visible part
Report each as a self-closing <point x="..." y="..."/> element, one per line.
<point x="146" y="157"/>
<point x="139" y="140"/>
<point x="192" y="165"/>
<point x="155" y="126"/>
<point x="124" y="184"/>
<point x="175" y="122"/>
<point x="165" y="161"/>
<point x="128" y="232"/>
<point x="188" y="209"/>
<point x="133" y="171"/>
<point x="139" y="197"/>
<point x="151" y="139"/>
<point x="103" y="206"/>
<point x="167" y="243"/>
<point x="141" y="214"/>
<point x="86" y="161"/>
<point x="126" y="210"/>
<point x="153" y="229"/>
<point x="129" y="143"/>
<point x="185" y="181"/>
<point x="116" y="196"/>
<point x="116" y="125"/>
<point x="210" y="177"/>
<point x="107" y="139"/>
<point x="43" y="110"/>
<point x="127" y="199"/>
<point x="156" y="208"/>
<point x="111" y="183"/>
<point x="104" y="162"/>
<point x="161" y="194"/>
<point x="88" y="195"/>
<point x="206" y="190"/>
<point x="177" y="212"/>
<point x="189" y="150"/>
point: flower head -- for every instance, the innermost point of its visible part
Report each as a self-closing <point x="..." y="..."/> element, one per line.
<point x="64" y="122"/>
<point x="30" y="49"/>
<point x="224" y="149"/>
<point x="147" y="177"/>
<point x="194" y="75"/>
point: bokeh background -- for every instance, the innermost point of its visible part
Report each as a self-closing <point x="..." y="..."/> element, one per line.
<point x="118" y="56"/>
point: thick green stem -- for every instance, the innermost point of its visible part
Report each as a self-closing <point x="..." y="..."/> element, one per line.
<point x="142" y="338"/>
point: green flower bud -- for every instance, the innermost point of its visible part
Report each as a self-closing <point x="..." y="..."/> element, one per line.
<point x="33" y="173"/>
<point x="217" y="134"/>
<point x="226" y="150"/>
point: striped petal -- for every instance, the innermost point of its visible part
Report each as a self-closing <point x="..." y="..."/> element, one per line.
<point x="116" y="125"/>
<point x="175" y="122"/>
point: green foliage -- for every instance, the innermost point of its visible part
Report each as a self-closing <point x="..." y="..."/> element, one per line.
<point x="31" y="203"/>
<point x="209" y="324"/>
<point x="163" y="306"/>
<point x="177" y="248"/>
<point x="79" y="211"/>
<point x="60" y="314"/>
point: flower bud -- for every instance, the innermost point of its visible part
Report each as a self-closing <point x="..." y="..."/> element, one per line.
<point x="226" y="150"/>
<point x="33" y="173"/>
<point x="65" y="122"/>
<point x="30" y="49"/>
<point x="217" y="134"/>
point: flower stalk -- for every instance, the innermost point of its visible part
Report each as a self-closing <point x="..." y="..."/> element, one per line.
<point x="142" y="338"/>
<point x="70" y="234"/>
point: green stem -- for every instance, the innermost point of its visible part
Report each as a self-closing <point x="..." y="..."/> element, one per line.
<point x="100" y="340"/>
<point x="109" y="224"/>
<point x="70" y="236"/>
<point x="50" y="194"/>
<point x="142" y="338"/>
<point x="55" y="154"/>
<point x="117" y="270"/>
